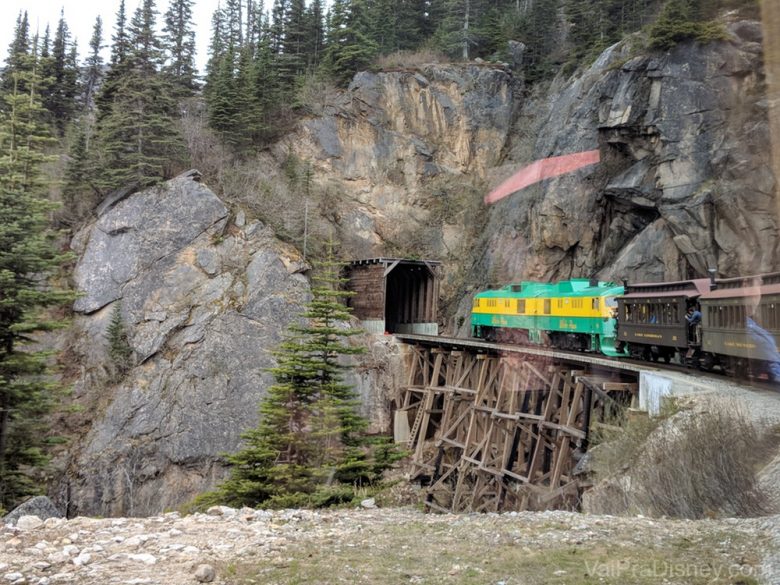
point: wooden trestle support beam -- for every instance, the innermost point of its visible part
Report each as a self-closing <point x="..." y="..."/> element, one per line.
<point x="498" y="433"/>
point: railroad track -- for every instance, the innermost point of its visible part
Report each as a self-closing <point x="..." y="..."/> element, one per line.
<point x="627" y="365"/>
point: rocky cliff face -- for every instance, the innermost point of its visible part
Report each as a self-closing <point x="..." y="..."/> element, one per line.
<point x="204" y="297"/>
<point x="684" y="182"/>
<point x="392" y="140"/>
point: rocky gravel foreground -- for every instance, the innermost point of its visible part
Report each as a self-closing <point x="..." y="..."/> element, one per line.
<point x="257" y="546"/>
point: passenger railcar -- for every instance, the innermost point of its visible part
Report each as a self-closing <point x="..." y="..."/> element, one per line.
<point x="574" y="314"/>
<point x="741" y="325"/>
<point x="651" y="318"/>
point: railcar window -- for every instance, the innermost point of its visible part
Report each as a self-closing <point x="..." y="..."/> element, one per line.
<point x="507" y="303"/>
<point x="628" y="312"/>
<point x="576" y="303"/>
<point x="595" y="304"/>
<point x="720" y="317"/>
<point x="547" y="306"/>
<point x="491" y="302"/>
<point x="652" y="314"/>
<point x="772" y="322"/>
<point x="521" y="306"/>
<point x="560" y="303"/>
<point x="476" y="303"/>
<point x="611" y="302"/>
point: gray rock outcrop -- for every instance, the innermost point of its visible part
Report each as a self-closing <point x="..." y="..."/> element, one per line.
<point x="203" y="302"/>
<point x="39" y="506"/>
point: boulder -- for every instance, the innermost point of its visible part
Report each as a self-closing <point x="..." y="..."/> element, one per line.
<point x="39" y="506"/>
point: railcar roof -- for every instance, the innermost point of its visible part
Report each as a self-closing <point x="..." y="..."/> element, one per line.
<point x="742" y="292"/>
<point x="578" y="287"/>
<point x="686" y="288"/>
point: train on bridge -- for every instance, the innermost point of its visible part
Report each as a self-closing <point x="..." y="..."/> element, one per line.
<point x="730" y="324"/>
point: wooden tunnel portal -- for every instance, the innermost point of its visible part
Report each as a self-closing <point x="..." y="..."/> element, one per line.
<point x="395" y="295"/>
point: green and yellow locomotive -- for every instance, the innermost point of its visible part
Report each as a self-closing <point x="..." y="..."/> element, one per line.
<point x="576" y="314"/>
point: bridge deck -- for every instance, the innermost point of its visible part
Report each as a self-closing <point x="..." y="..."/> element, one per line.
<point x="503" y="348"/>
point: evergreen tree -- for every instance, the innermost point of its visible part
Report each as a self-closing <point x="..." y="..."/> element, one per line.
<point x="119" y="350"/>
<point x="179" y="42"/>
<point x="59" y="96"/>
<point x="682" y="20"/>
<point x="138" y="139"/>
<point x="309" y="432"/>
<point x="79" y="195"/>
<point x="315" y="33"/>
<point x="292" y="59"/>
<point x="121" y="38"/>
<point x="350" y="48"/>
<point x="93" y="65"/>
<point x="18" y="59"/>
<point x="27" y="256"/>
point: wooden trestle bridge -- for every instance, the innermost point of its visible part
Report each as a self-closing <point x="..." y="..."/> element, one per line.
<point x="493" y="428"/>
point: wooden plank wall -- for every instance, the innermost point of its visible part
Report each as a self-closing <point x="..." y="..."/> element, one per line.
<point x="368" y="282"/>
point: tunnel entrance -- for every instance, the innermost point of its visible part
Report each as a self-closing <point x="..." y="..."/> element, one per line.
<point x="395" y="295"/>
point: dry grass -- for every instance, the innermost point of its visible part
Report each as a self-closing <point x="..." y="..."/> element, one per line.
<point x="509" y="553"/>
<point x="692" y="464"/>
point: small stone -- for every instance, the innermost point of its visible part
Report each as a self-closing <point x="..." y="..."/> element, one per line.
<point x="368" y="503"/>
<point x="83" y="559"/>
<point x="205" y="573"/>
<point x="42" y="565"/>
<point x="29" y="523"/>
<point x="221" y="511"/>
<point x="144" y="558"/>
<point x="13" y="577"/>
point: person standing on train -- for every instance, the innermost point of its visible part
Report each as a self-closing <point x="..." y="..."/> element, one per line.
<point x="693" y="317"/>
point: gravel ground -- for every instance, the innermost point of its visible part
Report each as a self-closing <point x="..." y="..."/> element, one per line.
<point x="394" y="545"/>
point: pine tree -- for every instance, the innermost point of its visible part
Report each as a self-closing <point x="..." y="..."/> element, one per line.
<point x="27" y="256"/>
<point x="179" y="42"/>
<point x="139" y="142"/>
<point x="79" y="195"/>
<point x="350" y="48"/>
<point x="93" y="65"/>
<point x="681" y="20"/>
<point x="315" y="33"/>
<point x="119" y="350"/>
<point x="60" y="94"/>
<point x="121" y="38"/>
<point x="292" y="59"/>
<point x="309" y="434"/>
<point x="18" y="59"/>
